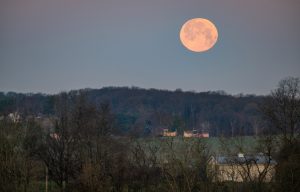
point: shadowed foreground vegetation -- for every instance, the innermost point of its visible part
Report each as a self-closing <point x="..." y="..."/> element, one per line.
<point x="82" y="153"/>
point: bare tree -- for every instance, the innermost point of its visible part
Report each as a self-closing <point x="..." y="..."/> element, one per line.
<point x="249" y="162"/>
<point x="10" y="157"/>
<point x="282" y="109"/>
<point x="61" y="150"/>
<point x="185" y="168"/>
<point x="18" y="165"/>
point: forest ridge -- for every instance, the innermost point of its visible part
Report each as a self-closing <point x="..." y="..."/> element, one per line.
<point x="145" y="112"/>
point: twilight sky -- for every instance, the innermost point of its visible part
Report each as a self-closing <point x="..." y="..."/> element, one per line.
<point x="58" y="45"/>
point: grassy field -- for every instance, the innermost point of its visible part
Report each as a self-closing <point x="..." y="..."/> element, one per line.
<point x="214" y="145"/>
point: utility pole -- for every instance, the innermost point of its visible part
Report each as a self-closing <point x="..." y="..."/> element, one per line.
<point x="46" y="182"/>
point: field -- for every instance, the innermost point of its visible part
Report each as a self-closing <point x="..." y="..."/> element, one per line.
<point x="164" y="146"/>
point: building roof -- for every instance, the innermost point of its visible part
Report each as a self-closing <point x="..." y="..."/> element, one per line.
<point x="258" y="159"/>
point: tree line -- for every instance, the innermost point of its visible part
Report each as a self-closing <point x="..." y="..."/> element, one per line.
<point x="144" y="112"/>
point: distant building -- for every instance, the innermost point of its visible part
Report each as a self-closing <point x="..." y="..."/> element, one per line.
<point x="243" y="168"/>
<point x="203" y="135"/>
<point x="47" y="123"/>
<point x="195" y="134"/>
<point x="187" y="134"/>
<point x="54" y="136"/>
<point x="167" y="133"/>
<point x="14" y="117"/>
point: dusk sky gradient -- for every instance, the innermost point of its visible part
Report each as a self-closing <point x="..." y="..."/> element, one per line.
<point x="57" y="45"/>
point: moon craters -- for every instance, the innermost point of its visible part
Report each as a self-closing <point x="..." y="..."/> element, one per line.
<point x="198" y="34"/>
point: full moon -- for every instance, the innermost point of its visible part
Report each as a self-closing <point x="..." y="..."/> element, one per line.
<point x="198" y="34"/>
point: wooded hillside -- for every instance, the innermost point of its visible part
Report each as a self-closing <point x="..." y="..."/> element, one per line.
<point x="145" y="112"/>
